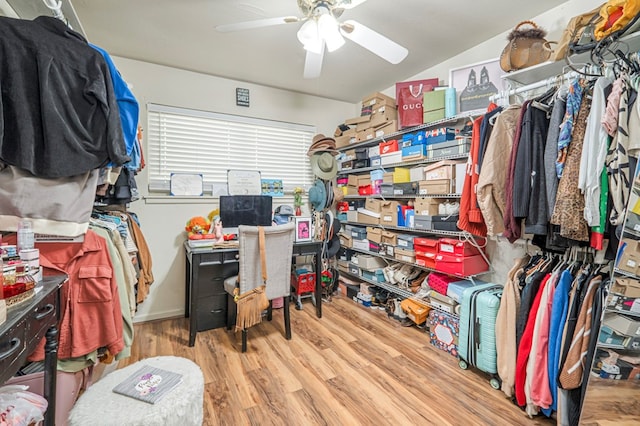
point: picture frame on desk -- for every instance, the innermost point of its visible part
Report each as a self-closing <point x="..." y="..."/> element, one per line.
<point x="303" y="228"/>
<point x="475" y="84"/>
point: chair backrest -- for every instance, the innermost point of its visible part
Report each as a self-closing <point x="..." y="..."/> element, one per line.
<point x="279" y="249"/>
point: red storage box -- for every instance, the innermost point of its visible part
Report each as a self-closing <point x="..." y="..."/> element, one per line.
<point x="456" y="247"/>
<point x="428" y="261"/>
<point x="365" y="190"/>
<point x="440" y="282"/>
<point x="303" y="283"/>
<point x="388" y="146"/>
<point x="461" y="265"/>
<point x="430" y="242"/>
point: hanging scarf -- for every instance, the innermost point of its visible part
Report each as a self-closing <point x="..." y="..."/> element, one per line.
<point x="574" y="98"/>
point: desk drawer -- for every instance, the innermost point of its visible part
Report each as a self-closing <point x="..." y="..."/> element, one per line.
<point x="306" y="249"/>
<point x="41" y="317"/>
<point x="212" y="312"/>
<point x="13" y="348"/>
<point x="216" y="258"/>
<point x="211" y="278"/>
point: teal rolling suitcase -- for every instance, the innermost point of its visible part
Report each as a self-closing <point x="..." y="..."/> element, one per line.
<point x="477" y="341"/>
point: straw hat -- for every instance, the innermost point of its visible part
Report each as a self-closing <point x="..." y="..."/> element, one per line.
<point x="324" y="165"/>
<point x="322" y="143"/>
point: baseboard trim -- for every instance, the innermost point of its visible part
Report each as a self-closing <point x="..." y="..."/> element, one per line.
<point x="170" y="314"/>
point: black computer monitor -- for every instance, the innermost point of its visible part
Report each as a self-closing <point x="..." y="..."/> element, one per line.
<point x="236" y="210"/>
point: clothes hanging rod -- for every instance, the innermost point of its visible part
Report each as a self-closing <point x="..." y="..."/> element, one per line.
<point x="56" y="8"/>
<point x="505" y="94"/>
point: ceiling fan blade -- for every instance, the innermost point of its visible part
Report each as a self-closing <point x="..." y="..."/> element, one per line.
<point x="313" y="63"/>
<point x="258" y="23"/>
<point x="350" y="4"/>
<point x="374" y="41"/>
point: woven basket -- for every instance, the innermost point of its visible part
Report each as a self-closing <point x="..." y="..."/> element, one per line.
<point x="18" y="299"/>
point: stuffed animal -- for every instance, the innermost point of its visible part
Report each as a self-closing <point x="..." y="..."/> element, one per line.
<point x="197" y="227"/>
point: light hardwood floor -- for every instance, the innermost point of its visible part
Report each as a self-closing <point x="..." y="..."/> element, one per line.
<point x="354" y="366"/>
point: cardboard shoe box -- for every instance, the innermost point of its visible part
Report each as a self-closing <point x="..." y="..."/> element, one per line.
<point x="405" y="255"/>
<point x="445" y="169"/>
<point x="622" y="324"/>
<point x="435" y="187"/>
<point x="389" y="238"/>
<point x="426" y="206"/>
<point x="370" y="263"/>
<point x="630" y="259"/>
<point x="389" y="213"/>
<point x="626" y="287"/>
<point x="374" y="234"/>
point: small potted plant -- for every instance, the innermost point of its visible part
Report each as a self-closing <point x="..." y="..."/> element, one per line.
<point x="298" y="192"/>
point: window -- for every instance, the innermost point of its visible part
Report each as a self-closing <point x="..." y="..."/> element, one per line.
<point x="191" y="141"/>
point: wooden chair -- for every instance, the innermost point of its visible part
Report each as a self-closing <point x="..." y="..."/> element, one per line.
<point x="279" y="250"/>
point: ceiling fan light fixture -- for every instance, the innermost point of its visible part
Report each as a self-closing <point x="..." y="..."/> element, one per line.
<point x="308" y="32"/>
<point x="329" y="31"/>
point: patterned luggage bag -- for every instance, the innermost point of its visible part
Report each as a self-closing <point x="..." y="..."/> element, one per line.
<point x="477" y="342"/>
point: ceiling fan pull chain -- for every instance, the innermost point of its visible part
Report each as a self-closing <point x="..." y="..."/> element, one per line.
<point x="415" y="95"/>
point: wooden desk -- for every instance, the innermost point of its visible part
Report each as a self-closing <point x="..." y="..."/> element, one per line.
<point x="26" y="325"/>
<point x="205" y="272"/>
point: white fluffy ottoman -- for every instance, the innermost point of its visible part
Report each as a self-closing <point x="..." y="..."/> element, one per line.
<point x="99" y="405"/>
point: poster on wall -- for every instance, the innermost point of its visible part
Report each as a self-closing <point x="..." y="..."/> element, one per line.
<point x="475" y="84"/>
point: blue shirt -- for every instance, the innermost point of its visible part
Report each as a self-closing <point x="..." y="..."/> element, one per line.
<point x="559" y="308"/>
<point x="129" y="110"/>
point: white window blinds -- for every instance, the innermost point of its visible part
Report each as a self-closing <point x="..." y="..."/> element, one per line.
<point x="191" y="141"/>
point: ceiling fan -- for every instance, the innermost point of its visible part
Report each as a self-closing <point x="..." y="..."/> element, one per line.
<point x="321" y="29"/>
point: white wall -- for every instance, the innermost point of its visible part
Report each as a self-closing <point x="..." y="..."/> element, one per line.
<point x="163" y="221"/>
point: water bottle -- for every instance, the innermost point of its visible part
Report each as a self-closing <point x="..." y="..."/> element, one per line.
<point x="25" y="236"/>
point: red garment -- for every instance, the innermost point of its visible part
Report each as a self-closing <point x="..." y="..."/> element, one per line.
<point x="90" y="306"/>
<point x="512" y="228"/>
<point x="471" y="219"/>
<point x="525" y="345"/>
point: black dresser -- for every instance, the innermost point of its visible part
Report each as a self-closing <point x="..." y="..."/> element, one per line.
<point x="25" y="326"/>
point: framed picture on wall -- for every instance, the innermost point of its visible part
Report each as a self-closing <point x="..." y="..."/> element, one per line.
<point x="303" y="228"/>
<point x="475" y="84"/>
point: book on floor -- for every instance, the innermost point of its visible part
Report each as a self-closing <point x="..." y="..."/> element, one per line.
<point x="149" y="384"/>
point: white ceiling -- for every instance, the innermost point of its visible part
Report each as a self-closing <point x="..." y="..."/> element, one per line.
<point x="181" y="33"/>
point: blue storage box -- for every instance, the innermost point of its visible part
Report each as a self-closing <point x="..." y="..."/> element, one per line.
<point x="377" y="275"/>
<point x="417" y="151"/>
<point x="359" y="233"/>
<point x="376" y="175"/>
<point x="440" y="135"/>
<point x="420" y="138"/>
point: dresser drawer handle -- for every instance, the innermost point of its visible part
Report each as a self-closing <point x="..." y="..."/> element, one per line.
<point x="15" y="345"/>
<point x="48" y="309"/>
<point x="216" y="311"/>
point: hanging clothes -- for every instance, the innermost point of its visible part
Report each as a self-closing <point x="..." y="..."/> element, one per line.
<point x="524" y="347"/>
<point x="594" y="151"/>
<point x="471" y="219"/>
<point x="569" y="208"/>
<point x="512" y="229"/>
<point x="617" y="161"/>
<point x="60" y="116"/>
<point x="551" y="154"/>
<point x="505" y="327"/>
<point x="493" y="175"/>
